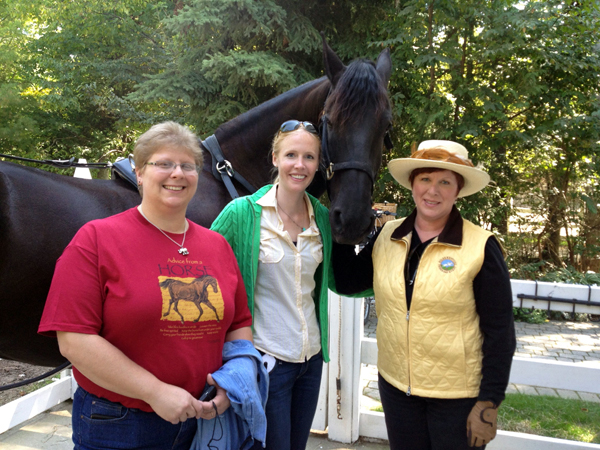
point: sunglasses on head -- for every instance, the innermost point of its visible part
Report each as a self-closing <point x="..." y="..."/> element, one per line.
<point x="293" y="125"/>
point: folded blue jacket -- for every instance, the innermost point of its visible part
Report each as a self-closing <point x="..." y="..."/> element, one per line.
<point x="246" y="381"/>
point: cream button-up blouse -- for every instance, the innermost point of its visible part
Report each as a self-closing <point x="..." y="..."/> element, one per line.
<point x="285" y="320"/>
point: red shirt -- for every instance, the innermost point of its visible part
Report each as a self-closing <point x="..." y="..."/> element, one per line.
<point x="118" y="277"/>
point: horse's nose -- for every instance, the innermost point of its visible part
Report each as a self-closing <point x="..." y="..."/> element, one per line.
<point x="348" y="229"/>
<point x="335" y="217"/>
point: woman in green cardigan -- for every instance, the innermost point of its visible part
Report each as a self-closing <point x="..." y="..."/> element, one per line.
<point x="281" y="238"/>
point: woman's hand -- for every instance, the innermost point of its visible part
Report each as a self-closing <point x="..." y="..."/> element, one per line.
<point x="175" y="404"/>
<point x="221" y="402"/>
<point x="108" y="367"/>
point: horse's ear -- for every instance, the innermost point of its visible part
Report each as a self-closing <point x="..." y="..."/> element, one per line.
<point x="334" y="67"/>
<point x="384" y="65"/>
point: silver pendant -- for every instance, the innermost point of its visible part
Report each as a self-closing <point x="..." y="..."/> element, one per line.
<point x="183" y="251"/>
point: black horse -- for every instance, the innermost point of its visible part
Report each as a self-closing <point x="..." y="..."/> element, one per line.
<point x="40" y="212"/>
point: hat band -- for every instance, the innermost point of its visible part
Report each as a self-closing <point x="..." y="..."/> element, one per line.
<point x="439" y="154"/>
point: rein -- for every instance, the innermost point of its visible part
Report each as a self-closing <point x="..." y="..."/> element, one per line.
<point x="38" y="378"/>
<point x="329" y="167"/>
<point x="62" y="163"/>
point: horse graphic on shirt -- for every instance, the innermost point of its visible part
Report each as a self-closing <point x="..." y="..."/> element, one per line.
<point x="195" y="292"/>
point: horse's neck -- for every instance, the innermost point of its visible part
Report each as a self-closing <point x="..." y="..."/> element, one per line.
<point x="246" y="140"/>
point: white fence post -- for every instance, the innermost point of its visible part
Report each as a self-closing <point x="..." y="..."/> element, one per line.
<point x="320" y="420"/>
<point x="82" y="172"/>
<point x="346" y="330"/>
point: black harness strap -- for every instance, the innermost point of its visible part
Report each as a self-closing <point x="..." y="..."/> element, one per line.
<point x="222" y="168"/>
<point x="329" y="167"/>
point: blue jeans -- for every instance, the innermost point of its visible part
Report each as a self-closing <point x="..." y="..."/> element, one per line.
<point x="293" y="396"/>
<point x="423" y="423"/>
<point x="101" y="424"/>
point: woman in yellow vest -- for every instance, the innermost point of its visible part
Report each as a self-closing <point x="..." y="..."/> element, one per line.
<point x="445" y="329"/>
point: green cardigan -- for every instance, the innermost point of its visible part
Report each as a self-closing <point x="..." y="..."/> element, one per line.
<point x="239" y="223"/>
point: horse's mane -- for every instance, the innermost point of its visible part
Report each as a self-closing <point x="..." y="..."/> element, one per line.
<point x="359" y="87"/>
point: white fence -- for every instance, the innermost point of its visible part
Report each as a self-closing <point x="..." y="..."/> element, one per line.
<point x="346" y="321"/>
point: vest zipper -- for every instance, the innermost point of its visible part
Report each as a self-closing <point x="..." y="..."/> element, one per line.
<point x="408" y="341"/>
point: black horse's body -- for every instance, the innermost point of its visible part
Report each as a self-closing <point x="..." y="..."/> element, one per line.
<point x="40" y="212"/>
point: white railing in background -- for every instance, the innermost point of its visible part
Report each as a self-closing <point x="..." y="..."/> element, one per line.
<point x="346" y="321"/>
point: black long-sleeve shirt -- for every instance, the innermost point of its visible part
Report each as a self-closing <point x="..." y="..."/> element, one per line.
<point x="491" y="287"/>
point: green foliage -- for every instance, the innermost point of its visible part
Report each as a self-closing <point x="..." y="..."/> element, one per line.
<point x="515" y="82"/>
<point x="226" y="57"/>
<point x="546" y="271"/>
<point x="529" y="315"/>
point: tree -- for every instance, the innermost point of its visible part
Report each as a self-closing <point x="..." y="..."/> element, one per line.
<point x="226" y="57"/>
<point x="74" y="66"/>
<point x="517" y="84"/>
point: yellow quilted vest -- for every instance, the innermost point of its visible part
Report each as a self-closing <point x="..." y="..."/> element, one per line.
<point x="435" y="349"/>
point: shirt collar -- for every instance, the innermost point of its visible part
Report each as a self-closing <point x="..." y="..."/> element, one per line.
<point x="269" y="200"/>
<point x="451" y="234"/>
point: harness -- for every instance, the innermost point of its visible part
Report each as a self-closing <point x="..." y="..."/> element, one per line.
<point x="222" y="169"/>
<point x="329" y="167"/>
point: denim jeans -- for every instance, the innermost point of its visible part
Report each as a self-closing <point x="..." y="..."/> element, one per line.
<point x="422" y="423"/>
<point x="293" y="396"/>
<point x="101" y="424"/>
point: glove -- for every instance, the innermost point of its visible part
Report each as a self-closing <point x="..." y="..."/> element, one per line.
<point x="481" y="423"/>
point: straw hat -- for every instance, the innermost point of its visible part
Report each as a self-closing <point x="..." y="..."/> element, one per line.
<point x="446" y="155"/>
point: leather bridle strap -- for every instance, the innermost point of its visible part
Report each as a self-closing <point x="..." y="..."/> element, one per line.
<point x="222" y="168"/>
<point x="329" y="167"/>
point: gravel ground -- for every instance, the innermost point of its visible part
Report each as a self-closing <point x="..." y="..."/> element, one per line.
<point x="13" y="372"/>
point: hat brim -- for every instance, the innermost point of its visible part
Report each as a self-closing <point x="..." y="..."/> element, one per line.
<point x="475" y="179"/>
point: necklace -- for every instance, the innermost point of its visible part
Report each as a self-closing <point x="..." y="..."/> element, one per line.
<point x="290" y="217"/>
<point x="182" y="250"/>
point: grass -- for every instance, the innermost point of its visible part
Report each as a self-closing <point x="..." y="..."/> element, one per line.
<point x="28" y="389"/>
<point x="554" y="417"/>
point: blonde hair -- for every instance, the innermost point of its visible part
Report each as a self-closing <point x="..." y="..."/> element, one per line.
<point x="278" y="142"/>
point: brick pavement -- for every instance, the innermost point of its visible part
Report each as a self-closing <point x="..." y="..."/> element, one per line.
<point x="577" y="342"/>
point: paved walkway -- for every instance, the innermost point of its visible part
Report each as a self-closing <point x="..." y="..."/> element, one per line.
<point x="577" y="342"/>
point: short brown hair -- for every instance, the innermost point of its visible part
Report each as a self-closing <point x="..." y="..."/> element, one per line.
<point x="460" y="181"/>
<point x="166" y="134"/>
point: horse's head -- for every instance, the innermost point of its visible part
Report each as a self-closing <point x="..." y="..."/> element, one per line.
<point x="355" y="121"/>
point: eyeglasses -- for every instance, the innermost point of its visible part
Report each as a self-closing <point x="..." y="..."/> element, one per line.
<point x="293" y="125"/>
<point x="169" y="166"/>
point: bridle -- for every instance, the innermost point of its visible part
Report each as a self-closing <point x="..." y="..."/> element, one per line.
<point x="329" y="167"/>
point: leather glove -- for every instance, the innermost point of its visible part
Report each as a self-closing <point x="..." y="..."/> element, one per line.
<point x="481" y="423"/>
